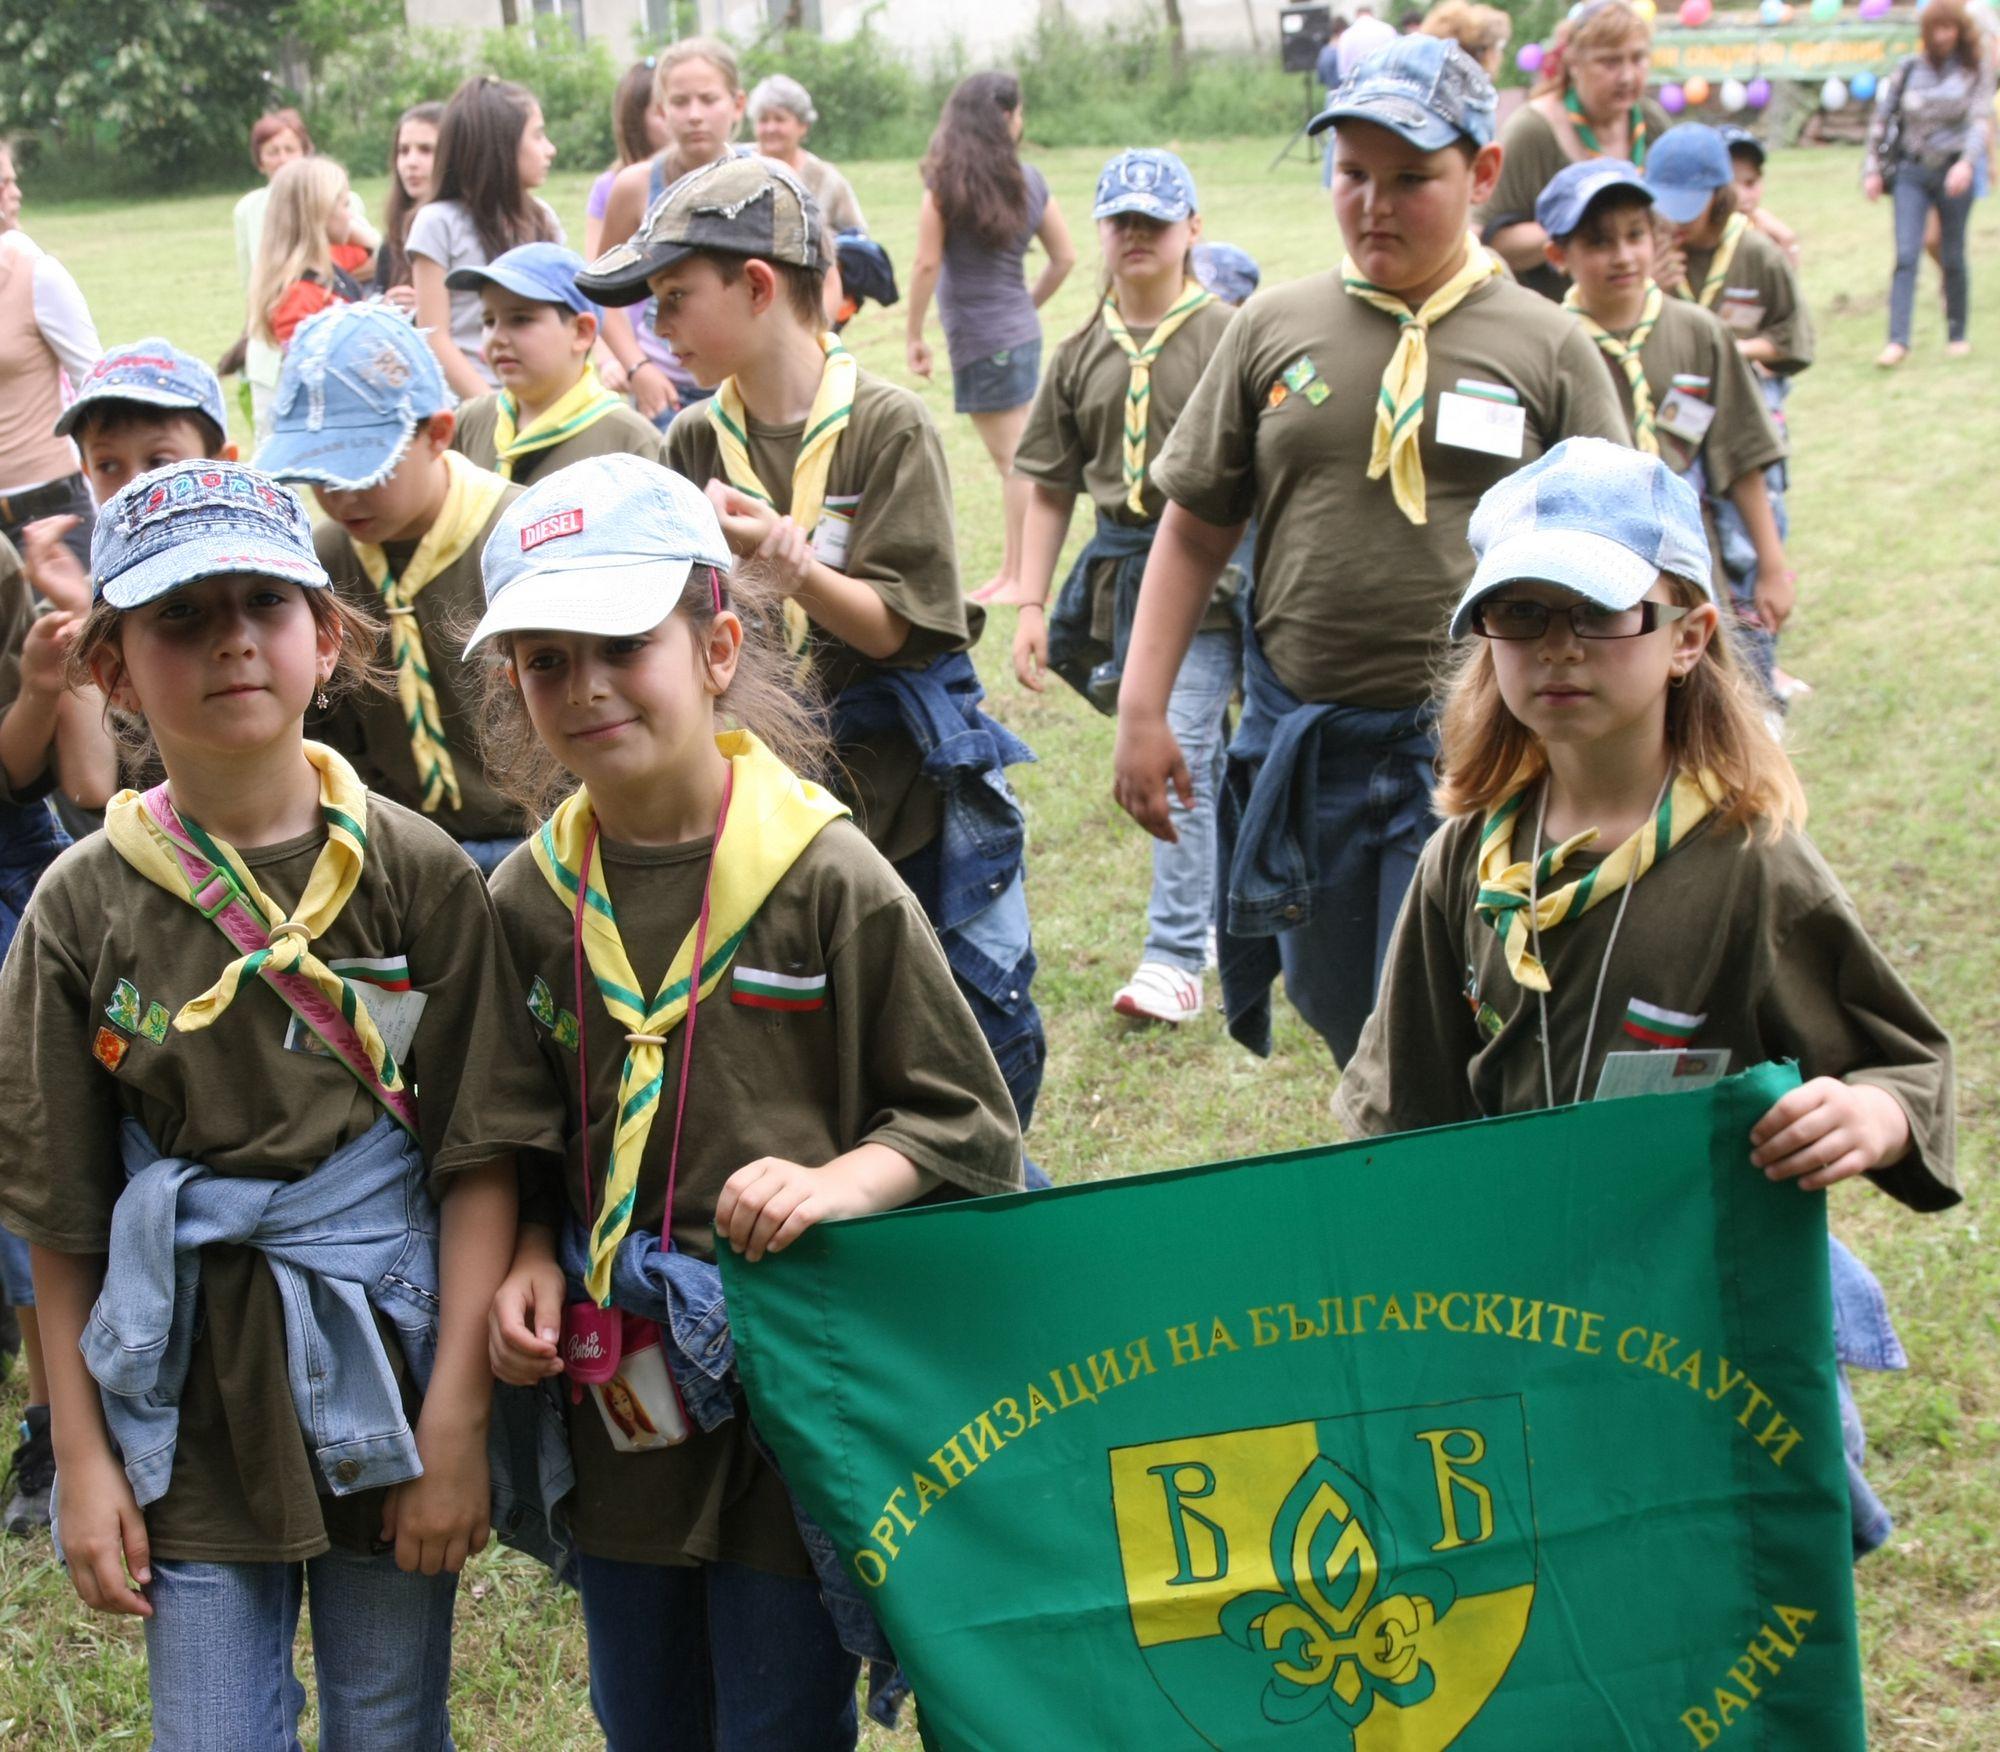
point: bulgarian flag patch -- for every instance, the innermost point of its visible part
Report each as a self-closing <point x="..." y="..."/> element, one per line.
<point x="759" y="990"/>
<point x="1659" y="1026"/>
<point x="390" y="973"/>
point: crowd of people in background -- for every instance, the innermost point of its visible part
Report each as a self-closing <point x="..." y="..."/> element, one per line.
<point x="677" y="715"/>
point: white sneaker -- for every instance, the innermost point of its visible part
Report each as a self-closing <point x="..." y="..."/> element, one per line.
<point x="1158" y="992"/>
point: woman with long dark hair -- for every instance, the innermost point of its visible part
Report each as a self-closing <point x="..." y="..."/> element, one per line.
<point x="981" y="209"/>
<point x="492" y="154"/>
<point x="1925" y="145"/>
<point x="412" y="176"/>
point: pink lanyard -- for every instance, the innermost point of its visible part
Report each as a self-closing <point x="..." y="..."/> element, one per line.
<point x="687" y="1042"/>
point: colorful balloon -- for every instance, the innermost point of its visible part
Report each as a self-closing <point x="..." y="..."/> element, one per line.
<point x="1672" y="99"/>
<point x="1734" y="95"/>
<point x="1772" y="12"/>
<point x="1695" y="13"/>
<point x="1531" y="57"/>
<point x="1833" y="95"/>
<point x="1646" y="10"/>
<point x="1825" y="11"/>
<point x="1861" y="87"/>
<point x="1874" y="9"/>
<point x="1695" y="91"/>
<point x="1757" y="93"/>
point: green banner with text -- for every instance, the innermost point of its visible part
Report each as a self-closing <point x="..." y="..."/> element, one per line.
<point x="1512" y="1435"/>
<point x="1801" y="52"/>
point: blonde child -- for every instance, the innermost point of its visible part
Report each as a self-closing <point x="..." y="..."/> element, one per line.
<point x="698" y="92"/>
<point x="835" y="1071"/>
<point x="304" y="259"/>
<point x="219" y="1012"/>
<point x="1113" y="392"/>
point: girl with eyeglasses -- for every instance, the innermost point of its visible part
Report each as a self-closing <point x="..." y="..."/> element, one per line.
<point x="1623" y="868"/>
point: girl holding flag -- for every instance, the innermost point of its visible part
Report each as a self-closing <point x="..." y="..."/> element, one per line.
<point x="1111" y="396"/>
<point x="248" y="1294"/>
<point x="836" y="1071"/>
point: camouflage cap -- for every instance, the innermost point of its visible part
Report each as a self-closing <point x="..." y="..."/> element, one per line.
<point x="747" y="206"/>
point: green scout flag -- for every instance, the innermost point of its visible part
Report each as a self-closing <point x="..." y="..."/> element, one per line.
<point x="1520" y="1434"/>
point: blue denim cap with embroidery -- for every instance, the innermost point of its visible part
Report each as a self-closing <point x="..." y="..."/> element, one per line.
<point x="602" y="547"/>
<point x="153" y="373"/>
<point x="1230" y="273"/>
<point x="357" y="382"/>
<point x="1684" y="168"/>
<point x="193" y="520"/>
<point x="543" y="272"/>
<point x="1590" y="516"/>
<point x="1146" y="181"/>
<point x="1427" y="89"/>
<point x="1560" y="208"/>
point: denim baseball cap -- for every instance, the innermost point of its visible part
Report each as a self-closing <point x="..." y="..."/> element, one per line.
<point x="1685" y="167"/>
<point x="193" y="520"/>
<point x="1151" y="183"/>
<point x="1560" y="208"/>
<point x="543" y="272"/>
<point x="154" y="373"/>
<point x="1427" y="89"/>
<point x="742" y="205"/>
<point x="357" y="381"/>
<point x="1589" y="516"/>
<point x="603" y="547"/>
<point x="1230" y="273"/>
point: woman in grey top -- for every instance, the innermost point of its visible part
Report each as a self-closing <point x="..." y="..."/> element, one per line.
<point x="1931" y="131"/>
<point x="981" y="209"/>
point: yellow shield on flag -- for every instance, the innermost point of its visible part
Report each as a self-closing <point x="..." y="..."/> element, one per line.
<point x="1370" y="1574"/>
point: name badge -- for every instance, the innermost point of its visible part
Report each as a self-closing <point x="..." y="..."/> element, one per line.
<point x="1477" y="422"/>
<point x="1741" y="309"/>
<point x="1660" y="1073"/>
<point x="1686" y="416"/>
<point x="835" y="529"/>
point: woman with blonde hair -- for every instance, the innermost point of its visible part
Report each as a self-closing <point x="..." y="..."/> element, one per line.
<point x="1589" y="102"/>
<point x="1931" y="131"/>
<point x="1481" y="31"/>
<point x="305" y="259"/>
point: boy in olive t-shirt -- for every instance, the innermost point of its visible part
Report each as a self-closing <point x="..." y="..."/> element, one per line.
<point x="550" y="409"/>
<point x="1690" y="395"/>
<point x="837" y="479"/>
<point x="365" y="418"/>
<point x="1358" y="416"/>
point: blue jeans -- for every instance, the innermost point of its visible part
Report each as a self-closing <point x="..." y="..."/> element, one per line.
<point x="1373" y="816"/>
<point x="714" y="1655"/>
<point x="219" y="1654"/>
<point x="1918" y="188"/>
<point x="488" y="854"/>
<point x="1182" y="906"/>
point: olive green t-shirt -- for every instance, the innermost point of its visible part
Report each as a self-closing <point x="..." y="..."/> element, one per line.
<point x="623" y="431"/>
<point x="369" y="727"/>
<point x="1757" y="940"/>
<point x="17" y="613"/>
<point x="1353" y="598"/>
<point x="1532" y="156"/>
<point x="1075" y="438"/>
<point x="888" y="482"/>
<point x="1690" y="350"/>
<point x="884" y="1050"/>
<point x="1761" y="297"/>
<point x="234" y="1097"/>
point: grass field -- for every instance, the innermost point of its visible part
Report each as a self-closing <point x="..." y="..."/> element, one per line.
<point x="1894" y="526"/>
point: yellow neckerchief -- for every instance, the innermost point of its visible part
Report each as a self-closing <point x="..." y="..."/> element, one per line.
<point x="832" y="408"/>
<point x="1399" y="412"/>
<point x="468" y="502"/>
<point x="1625" y="355"/>
<point x="1502" y="898"/>
<point x="578" y="409"/>
<point x="343" y="801"/>
<point x="1719" y="263"/>
<point x="773" y="816"/>
<point x="1139" y="389"/>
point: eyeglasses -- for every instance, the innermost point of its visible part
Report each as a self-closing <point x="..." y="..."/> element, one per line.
<point x="1509" y="617"/>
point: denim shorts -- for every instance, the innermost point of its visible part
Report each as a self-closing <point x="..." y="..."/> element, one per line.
<point x="17" y="1281"/>
<point x="992" y="386"/>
